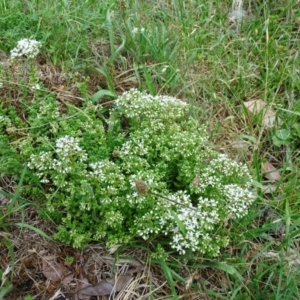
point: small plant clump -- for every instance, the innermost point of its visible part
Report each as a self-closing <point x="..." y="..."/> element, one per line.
<point x="143" y="170"/>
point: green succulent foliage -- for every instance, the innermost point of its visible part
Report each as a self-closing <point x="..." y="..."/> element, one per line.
<point x="90" y="162"/>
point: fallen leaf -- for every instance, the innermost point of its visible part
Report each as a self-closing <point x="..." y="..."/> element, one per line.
<point x="68" y="278"/>
<point x="53" y="270"/>
<point x="132" y="263"/>
<point x="82" y="284"/>
<point x="138" y="266"/>
<point x="119" y="282"/>
<point x="259" y="106"/>
<point x="269" y="189"/>
<point x="42" y="252"/>
<point x="269" y="171"/>
<point x="104" y="288"/>
<point x="269" y="118"/>
<point x="293" y="257"/>
<point x="241" y="145"/>
<point x="137" y="270"/>
<point x="101" y="289"/>
<point x="113" y="249"/>
<point x="129" y="262"/>
<point x="255" y="106"/>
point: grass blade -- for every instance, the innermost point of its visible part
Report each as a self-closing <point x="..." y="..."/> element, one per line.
<point x="38" y="231"/>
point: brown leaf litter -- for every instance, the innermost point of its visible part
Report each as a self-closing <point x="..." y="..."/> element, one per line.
<point x="43" y="270"/>
<point x="104" y="288"/>
<point x="270" y="172"/>
<point x="258" y="106"/>
<point x="52" y="270"/>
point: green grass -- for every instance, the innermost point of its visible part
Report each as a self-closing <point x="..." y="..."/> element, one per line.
<point x="189" y="49"/>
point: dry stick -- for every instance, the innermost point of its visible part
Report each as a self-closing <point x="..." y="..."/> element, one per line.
<point x="173" y="201"/>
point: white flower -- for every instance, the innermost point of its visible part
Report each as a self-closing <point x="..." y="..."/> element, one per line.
<point x="26" y="47"/>
<point x="164" y="69"/>
<point x="135" y="30"/>
<point x="68" y="143"/>
<point x="36" y="87"/>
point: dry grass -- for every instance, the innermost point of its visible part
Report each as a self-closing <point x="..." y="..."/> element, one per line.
<point x="96" y="263"/>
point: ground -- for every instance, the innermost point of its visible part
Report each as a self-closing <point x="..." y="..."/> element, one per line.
<point x="214" y="56"/>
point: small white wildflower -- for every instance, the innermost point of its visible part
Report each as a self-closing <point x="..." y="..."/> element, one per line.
<point x="136" y="30"/>
<point x="26" y="47"/>
<point x="164" y="69"/>
<point x="36" y="87"/>
<point x="67" y="143"/>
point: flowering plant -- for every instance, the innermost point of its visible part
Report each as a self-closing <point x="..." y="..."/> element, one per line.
<point x="146" y="171"/>
<point x="26" y="47"/>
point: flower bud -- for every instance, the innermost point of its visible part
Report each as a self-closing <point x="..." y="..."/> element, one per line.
<point x="196" y="181"/>
<point x="141" y="187"/>
<point x="115" y="153"/>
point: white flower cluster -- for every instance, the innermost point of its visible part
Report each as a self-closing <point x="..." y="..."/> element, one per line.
<point x="188" y="226"/>
<point x="68" y="153"/>
<point x="144" y="106"/>
<point x="26" y="47"/>
<point x="68" y="145"/>
<point x="238" y="200"/>
<point x="225" y="165"/>
<point x="68" y="150"/>
<point x="111" y="180"/>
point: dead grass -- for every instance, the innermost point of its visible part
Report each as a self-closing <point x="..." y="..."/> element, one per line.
<point x="94" y="263"/>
